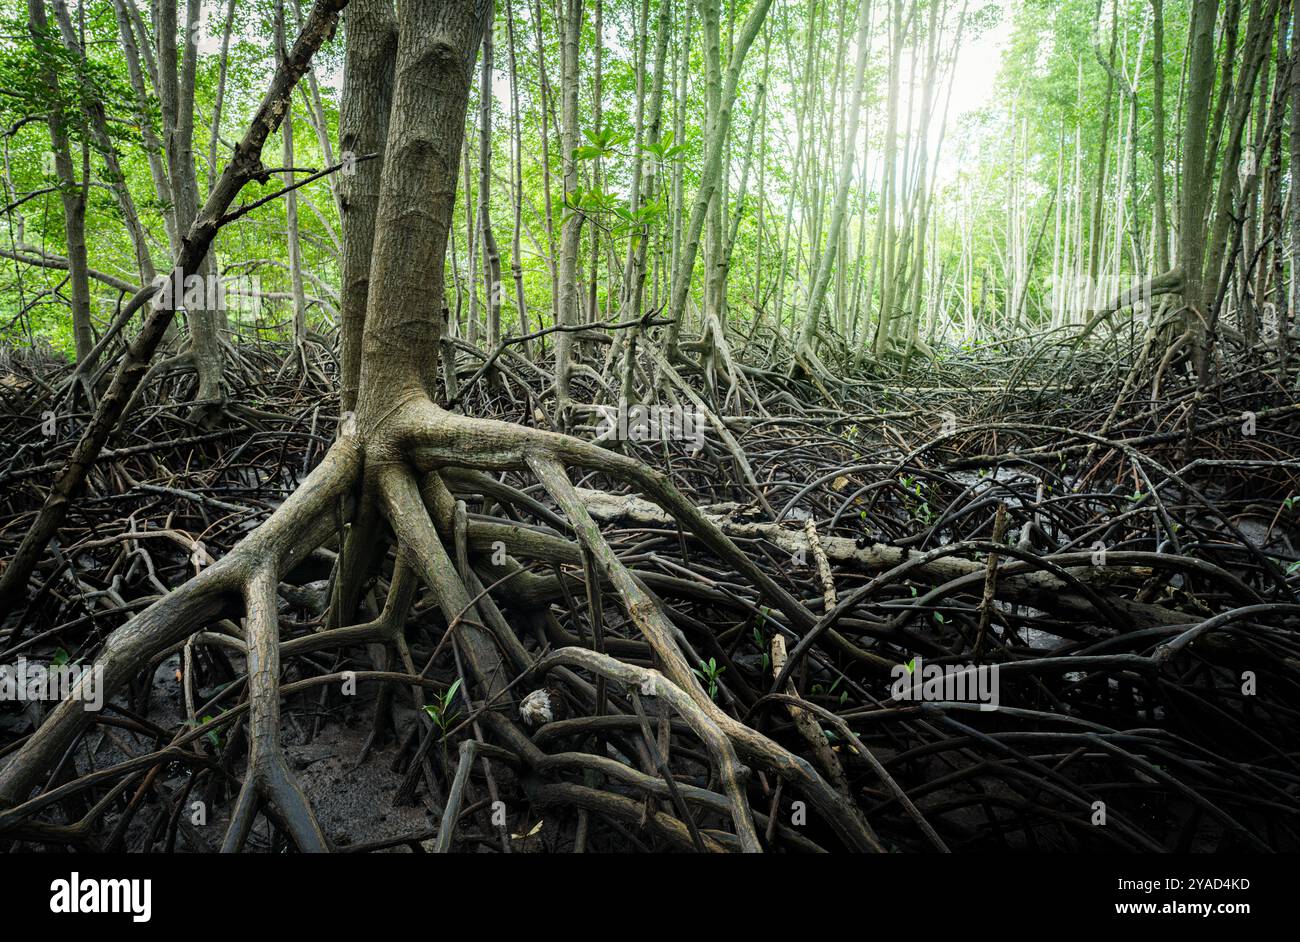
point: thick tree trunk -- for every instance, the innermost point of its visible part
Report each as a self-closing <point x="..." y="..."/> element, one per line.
<point x="435" y="51"/>
<point x="371" y="30"/>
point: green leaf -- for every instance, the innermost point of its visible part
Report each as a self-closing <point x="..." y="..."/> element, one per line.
<point x="211" y="735"/>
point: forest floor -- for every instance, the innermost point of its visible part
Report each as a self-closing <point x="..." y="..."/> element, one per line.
<point x="1111" y="552"/>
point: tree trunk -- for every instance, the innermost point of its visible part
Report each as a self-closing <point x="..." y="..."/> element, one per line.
<point x="291" y="207"/>
<point x="371" y="30"/>
<point x="491" y="254"/>
<point x="1161" y="205"/>
<point x="93" y="106"/>
<point x="1195" y="187"/>
<point x="1288" y="309"/>
<point x="571" y="233"/>
<point x="177" y="96"/>
<point x="517" y="178"/>
<point x="711" y="172"/>
<point x="817" y="293"/>
<point x="72" y="193"/>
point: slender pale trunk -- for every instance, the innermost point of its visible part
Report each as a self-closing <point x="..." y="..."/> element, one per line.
<point x="1287" y="310"/>
<point x="597" y="173"/>
<point x="291" y="201"/>
<point x="215" y="136"/>
<point x="472" y="233"/>
<point x="144" y="119"/>
<point x="491" y="254"/>
<point x="711" y="172"/>
<point x="817" y="294"/>
<point x="177" y="99"/>
<point x="93" y="106"/>
<point x="71" y="192"/>
<point x="544" y="132"/>
<point x="1158" y="134"/>
<point x="517" y="179"/>
<point x="889" y="186"/>
<point x="571" y="235"/>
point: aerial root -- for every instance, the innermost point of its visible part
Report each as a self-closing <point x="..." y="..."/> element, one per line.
<point x="653" y="683"/>
<point x="222" y="590"/>
<point x="268" y="776"/>
<point x="244" y="583"/>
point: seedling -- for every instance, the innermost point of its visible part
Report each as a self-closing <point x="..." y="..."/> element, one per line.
<point x="708" y="672"/>
<point x="441" y="710"/>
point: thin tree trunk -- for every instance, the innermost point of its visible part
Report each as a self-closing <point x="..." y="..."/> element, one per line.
<point x="215" y="136"/>
<point x="809" y="329"/>
<point x="177" y="98"/>
<point x="571" y="235"/>
<point x="1161" y="203"/>
<point x="517" y="179"/>
<point x="93" y="106"/>
<point x="491" y="254"/>
<point x="1287" y="311"/>
<point x="711" y="172"/>
<point x="291" y="206"/>
<point x="72" y="193"/>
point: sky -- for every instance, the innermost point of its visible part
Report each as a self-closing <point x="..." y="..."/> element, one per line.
<point x="978" y="62"/>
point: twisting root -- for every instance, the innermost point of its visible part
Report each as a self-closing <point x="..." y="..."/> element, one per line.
<point x="245" y="583"/>
<point x="653" y="683"/>
<point x="268" y="777"/>
<point x="297" y="527"/>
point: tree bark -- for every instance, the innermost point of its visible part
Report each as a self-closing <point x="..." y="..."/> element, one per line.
<point x="571" y="231"/>
<point x="71" y="193"/>
<point x="371" y="29"/>
<point x="491" y="254"/>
